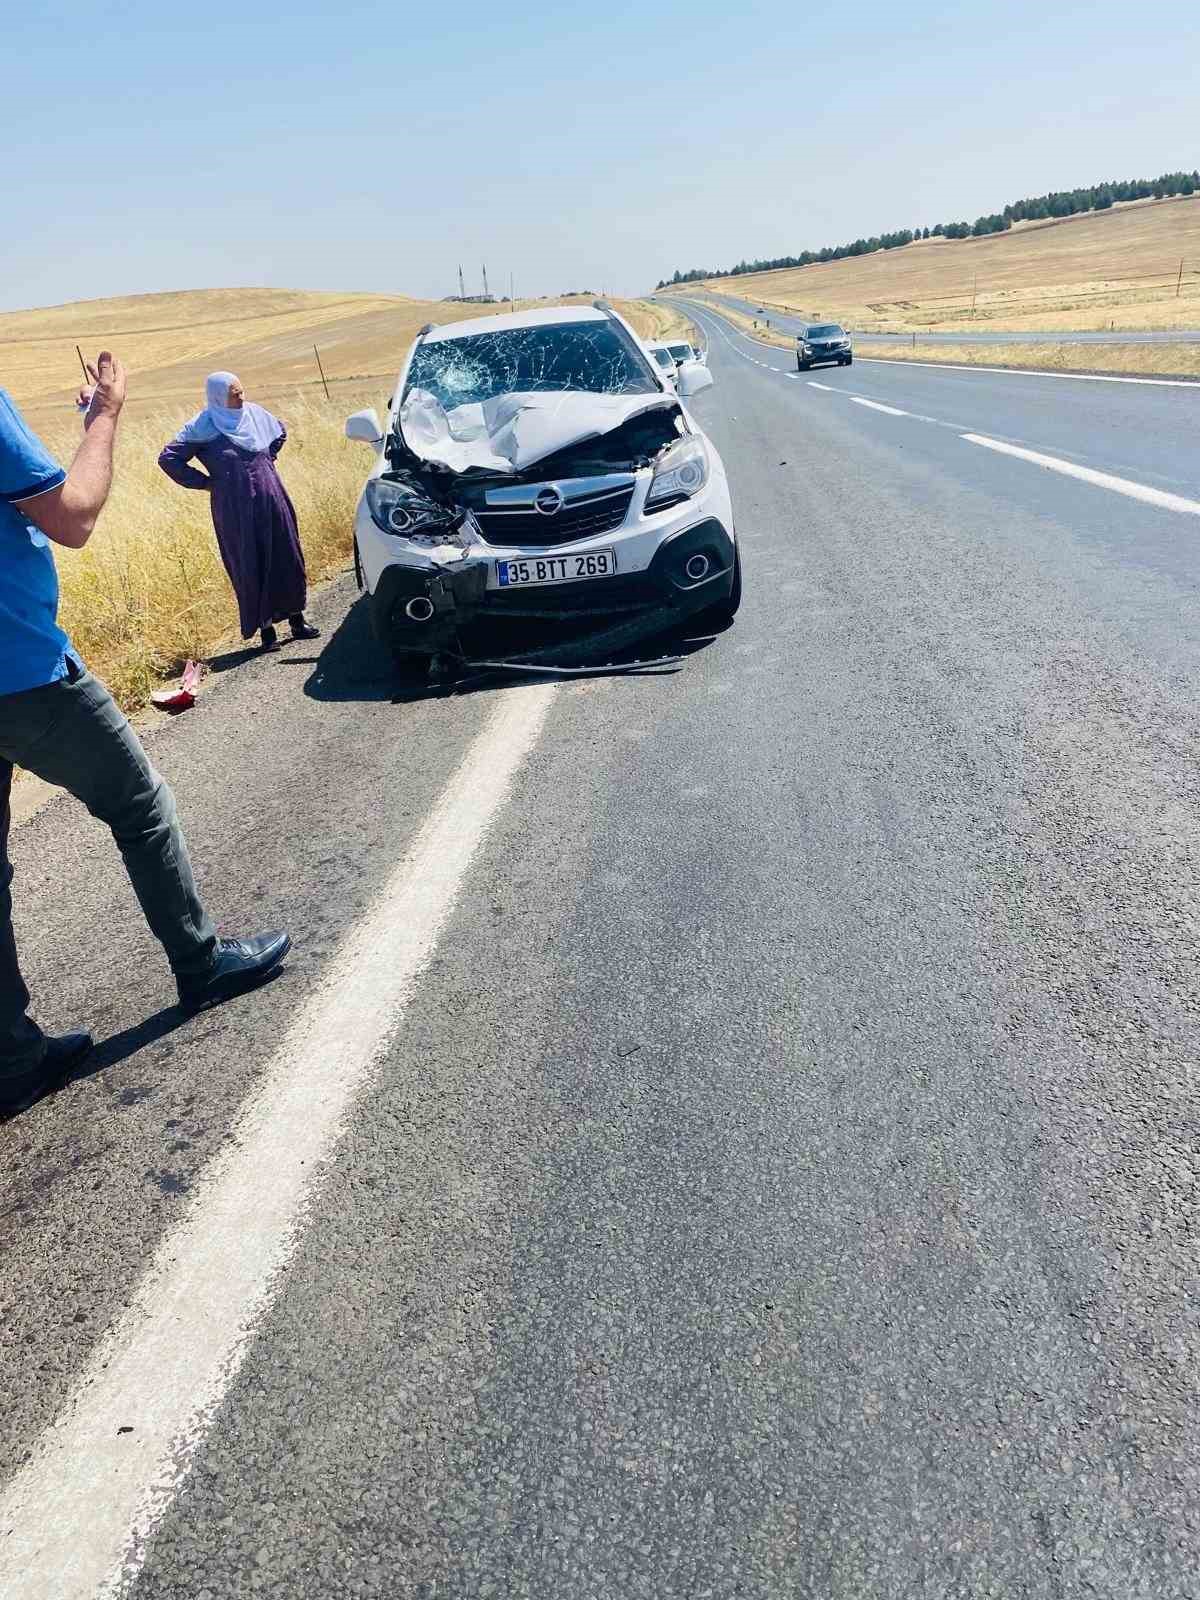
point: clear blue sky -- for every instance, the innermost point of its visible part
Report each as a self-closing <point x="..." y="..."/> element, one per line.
<point x="361" y="145"/>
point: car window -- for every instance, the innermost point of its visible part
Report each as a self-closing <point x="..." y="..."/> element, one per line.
<point x="681" y="352"/>
<point x="595" y="357"/>
<point x="828" y="330"/>
<point x="664" y="358"/>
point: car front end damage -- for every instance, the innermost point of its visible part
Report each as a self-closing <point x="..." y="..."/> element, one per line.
<point x="567" y="526"/>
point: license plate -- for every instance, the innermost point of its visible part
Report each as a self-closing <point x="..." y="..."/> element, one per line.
<point x="555" y="569"/>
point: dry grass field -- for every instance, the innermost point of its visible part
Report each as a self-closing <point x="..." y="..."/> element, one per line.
<point x="1116" y="268"/>
<point x="148" y="591"/>
<point x="170" y="342"/>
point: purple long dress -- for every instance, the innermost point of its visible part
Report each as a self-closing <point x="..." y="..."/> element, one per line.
<point x="255" y="524"/>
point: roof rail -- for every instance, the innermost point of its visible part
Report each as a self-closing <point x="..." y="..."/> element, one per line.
<point x="428" y="328"/>
<point x="601" y="305"/>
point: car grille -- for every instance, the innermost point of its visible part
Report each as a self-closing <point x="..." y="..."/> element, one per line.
<point x="598" y="514"/>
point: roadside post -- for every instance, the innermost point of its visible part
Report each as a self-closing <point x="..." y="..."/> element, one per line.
<point x="321" y="370"/>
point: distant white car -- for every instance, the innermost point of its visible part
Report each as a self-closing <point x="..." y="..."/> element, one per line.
<point x="661" y="355"/>
<point x="540" y="468"/>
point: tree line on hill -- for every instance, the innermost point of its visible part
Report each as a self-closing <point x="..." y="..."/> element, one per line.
<point x="1061" y="203"/>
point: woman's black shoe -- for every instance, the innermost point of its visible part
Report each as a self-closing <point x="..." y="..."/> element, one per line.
<point x="270" y="640"/>
<point x="302" y="628"/>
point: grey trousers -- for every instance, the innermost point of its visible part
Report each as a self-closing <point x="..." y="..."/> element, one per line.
<point x="71" y="734"/>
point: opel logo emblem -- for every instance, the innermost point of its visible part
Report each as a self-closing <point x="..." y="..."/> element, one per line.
<point x="549" y="501"/>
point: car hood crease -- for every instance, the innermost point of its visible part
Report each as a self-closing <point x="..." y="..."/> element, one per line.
<point x="513" y="432"/>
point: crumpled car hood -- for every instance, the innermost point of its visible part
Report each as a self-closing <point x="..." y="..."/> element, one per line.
<point x="512" y="432"/>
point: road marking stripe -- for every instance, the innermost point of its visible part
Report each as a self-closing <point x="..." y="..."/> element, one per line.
<point x="828" y="388"/>
<point x="1030" y="372"/>
<point x="75" y="1520"/>
<point x="892" y="411"/>
<point x="1103" y="480"/>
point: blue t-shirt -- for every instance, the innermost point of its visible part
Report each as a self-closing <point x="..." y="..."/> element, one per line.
<point x="33" y="648"/>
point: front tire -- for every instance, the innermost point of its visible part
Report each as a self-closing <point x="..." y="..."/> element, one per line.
<point x="802" y="366"/>
<point x="849" y="361"/>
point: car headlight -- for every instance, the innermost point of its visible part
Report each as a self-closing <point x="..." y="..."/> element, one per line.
<point x="681" y="473"/>
<point x="401" y="508"/>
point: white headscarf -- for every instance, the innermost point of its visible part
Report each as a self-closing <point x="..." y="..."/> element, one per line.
<point x="250" y="427"/>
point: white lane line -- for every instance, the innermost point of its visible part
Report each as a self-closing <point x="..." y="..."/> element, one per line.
<point x="1103" y="480"/>
<point x="75" y="1520"/>
<point x="892" y="411"/>
<point x="828" y="388"/>
<point x="1028" y="372"/>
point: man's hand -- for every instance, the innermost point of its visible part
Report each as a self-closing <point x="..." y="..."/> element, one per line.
<point x="68" y="514"/>
<point x="108" y="396"/>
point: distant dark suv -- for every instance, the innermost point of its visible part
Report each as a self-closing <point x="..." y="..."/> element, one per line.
<point x="823" y="341"/>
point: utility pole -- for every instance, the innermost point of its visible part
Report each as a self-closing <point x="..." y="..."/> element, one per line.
<point x="512" y="299"/>
<point x="486" y="296"/>
<point x="974" y="291"/>
<point x="462" y="288"/>
<point x="1179" y="280"/>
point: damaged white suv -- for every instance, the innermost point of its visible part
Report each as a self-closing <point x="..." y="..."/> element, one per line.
<point x="538" y="475"/>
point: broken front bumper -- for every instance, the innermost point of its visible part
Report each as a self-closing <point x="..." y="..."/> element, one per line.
<point x="425" y="611"/>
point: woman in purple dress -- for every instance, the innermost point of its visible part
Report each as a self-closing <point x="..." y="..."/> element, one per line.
<point x="254" y="518"/>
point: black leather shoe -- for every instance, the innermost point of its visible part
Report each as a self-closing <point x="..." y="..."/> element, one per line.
<point x="240" y="964"/>
<point x="63" y="1055"/>
<point x="305" y="630"/>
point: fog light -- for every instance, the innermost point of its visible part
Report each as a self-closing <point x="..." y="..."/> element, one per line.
<point x="419" y="608"/>
<point x="696" y="567"/>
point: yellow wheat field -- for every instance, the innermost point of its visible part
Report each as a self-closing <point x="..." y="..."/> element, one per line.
<point x="1136" y="266"/>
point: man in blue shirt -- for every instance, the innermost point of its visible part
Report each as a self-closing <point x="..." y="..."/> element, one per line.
<point x="58" y="721"/>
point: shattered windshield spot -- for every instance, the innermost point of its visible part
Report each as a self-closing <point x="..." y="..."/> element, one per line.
<point x="595" y="357"/>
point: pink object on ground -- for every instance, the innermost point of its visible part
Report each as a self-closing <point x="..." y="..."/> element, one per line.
<point x="185" y="695"/>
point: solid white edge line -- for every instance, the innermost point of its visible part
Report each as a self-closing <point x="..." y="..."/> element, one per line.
<point x="75" y="1519"/>
<point x="1102" y="480"/>
<point x="875" y="405"/>
<point x="828" y="388"/>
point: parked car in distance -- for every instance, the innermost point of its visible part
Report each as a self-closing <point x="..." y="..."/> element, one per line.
<point x="540" y="469"/>
<point x="823" y="342"/>
<point x="661" y="355"/>
<point x="683" y="351"/>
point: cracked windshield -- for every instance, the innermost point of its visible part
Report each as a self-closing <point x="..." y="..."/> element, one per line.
<point x="592" y="357"/>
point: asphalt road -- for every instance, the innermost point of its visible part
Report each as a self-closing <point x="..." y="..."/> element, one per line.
<point x="781" y="1178"/>
<point x="786" y="324"/>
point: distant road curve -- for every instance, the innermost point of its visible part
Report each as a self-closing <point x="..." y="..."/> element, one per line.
<point x="1045" y="336"/>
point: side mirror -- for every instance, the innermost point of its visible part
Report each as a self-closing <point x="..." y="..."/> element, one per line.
<point x="692" y="378"/>
<point x="365" y="427"/>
